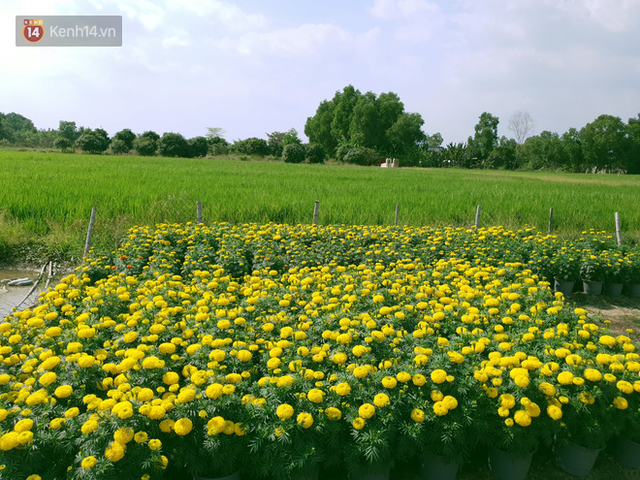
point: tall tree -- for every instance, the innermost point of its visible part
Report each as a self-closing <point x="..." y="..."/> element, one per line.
<point x="605" y="144"/>
<point x="486" y="136"/>
<point x="69" y="130"/>
<point x="633" y="134"/>
<point x="521" y="124"/>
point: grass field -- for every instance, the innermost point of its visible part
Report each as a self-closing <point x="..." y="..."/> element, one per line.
<point x="46" y="198"/>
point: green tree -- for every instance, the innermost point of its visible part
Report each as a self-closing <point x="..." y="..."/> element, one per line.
<point x="406" y="133"/>
<point x="69" y="130"/>
<point x="278" y="140"/>
<point x="315" y="153"/>
<point x="633" y="134"/>
<point x="63" y="144"/>
<point x="605" y="145"/>
<point x="365" y="120"/>
<point x="173" y="145"/>
<point x="293" y="153"/>
<point x="146" y="144"/>
<point x="118" y="146"/>
<point x="92" y="141"/>
<point x="252" y="146"/>
<point x="574" y="159"/>
<point x="127" y="136"/>
<point x="486" y="136"/>
<point x="198" y="147"/>
<point x="544" y="151"/>
<point x="16" y="128"/>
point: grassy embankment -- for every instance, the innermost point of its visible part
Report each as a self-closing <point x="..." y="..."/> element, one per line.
<point x="46" y="198"/>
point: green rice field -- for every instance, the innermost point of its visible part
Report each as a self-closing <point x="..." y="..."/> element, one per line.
<point x="46" y="198"/>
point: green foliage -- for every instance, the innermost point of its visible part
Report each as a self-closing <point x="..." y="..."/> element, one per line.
<point x="127" y="137"/>
<point x="251" y="146"/>
<point x="118" y="146"/>
<point x="173" y="145"/>
<point x="293" y="153"/>
<point x="218" y="146"/>
<point x="63" y="144"/>
<point x="375" y="122"/>
<point x="146" y="144"/>
<point x="315" y="153"/>
<point x="198" y="147"/>
<point x="68" y="130"/>
<point x="93" y="141"/>
<point x="357" y="155"/>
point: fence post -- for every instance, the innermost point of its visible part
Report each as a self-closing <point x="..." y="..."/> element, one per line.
<point x="478" y="217"/>
<point x="87" y="243"/>
<point x="550" y="219"/>
<point x="618" y="232"/>
<point x="397" y="212"/>
<point x="316" y="209"/>
<point x="199" y="211"/>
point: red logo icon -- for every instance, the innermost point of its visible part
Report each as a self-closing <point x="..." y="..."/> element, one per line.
<point x="33" y="30"/>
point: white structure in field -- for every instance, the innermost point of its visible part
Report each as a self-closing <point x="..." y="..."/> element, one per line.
<point x="390" y="163"/>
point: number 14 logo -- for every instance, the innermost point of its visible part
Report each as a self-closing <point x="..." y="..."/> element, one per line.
<point x="33" y="30"/>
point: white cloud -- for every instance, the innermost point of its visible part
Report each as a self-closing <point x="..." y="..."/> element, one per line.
<point x="290" y="42"/>
<point x="225" y="14"/>
<point x="403" y="9"/>
<point x="178" y="37"/>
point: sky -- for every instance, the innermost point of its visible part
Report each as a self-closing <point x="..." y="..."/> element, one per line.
<point x="252" y="67"/>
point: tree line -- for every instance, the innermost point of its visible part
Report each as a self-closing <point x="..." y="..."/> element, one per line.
<point x="362" y="128"/>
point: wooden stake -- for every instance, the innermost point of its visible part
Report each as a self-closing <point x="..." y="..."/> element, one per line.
<point x="199" y="211"/>
<point x="316" y="210"/>
<point x="478" y="217"/>
<point x="397" y="212"/>
<point x="87" y="244"/>
<point x="618" y="232"/>
<point x="550" y="219"/>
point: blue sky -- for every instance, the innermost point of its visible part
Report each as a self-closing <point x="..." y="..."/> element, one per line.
<point x="253" y="67"/>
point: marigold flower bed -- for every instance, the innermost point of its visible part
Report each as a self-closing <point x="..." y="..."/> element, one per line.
<point x="192" y="346"/>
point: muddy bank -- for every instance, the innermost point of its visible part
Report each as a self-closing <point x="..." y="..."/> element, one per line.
<point x="11" y="296"/>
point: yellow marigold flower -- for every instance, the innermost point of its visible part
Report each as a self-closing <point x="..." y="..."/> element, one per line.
<point x="565" y="378"/>
<point x="366" y="410"/>
<point x="358" y="423"/>
<point x="216" y="425"/>
<point x="145" y="394"/>
<point x="438" y="376"/>
<point x="114" y="452"/>
<point x="154" y="444"/>
<point x="305" y="420"/>
<point x="554" y="412"/>
<point x="156" y="412"/>
<point x="507" y="400"/>
<point x="607" y="340"/>
<point x="186" y="395"/>
<point x="450" y="402"/>
<point x="214" y="391"/>
<point x="389" y="382"/>
<point x="123" y="435"/>
<point x="183" y="426"/>
<point x="360" y="372"/>
<point x="440" y="408"/>
<point x="9" y="441"/>
<point x="417" y="415"/>
<point x="620" y="403"/>
<point x="166" y="425"/>
<point x="315" y="395"/>
<point x="624" y="386"/>
<point x="419" y="380"/>
<point x="339" y="358"/>
<point x="140" y="437"/>
<point x="88" y="462"/>
<point x="285" y="381"/>
<point x="47" y="378"/>
<point x="56" y="423"/>
<point x="343" y="389"/>
<point x="89" y="426"/>
<point x="63" y="391"/>
<point x="522" y="418"/>
<point x="167" y="348"/>
<point x="547" y="389"/>
<point x="333" y="413"/>
<point x="244" y="355"/>
<point x="23" y="425"/>
<point x="381" y="400"/>
<point x="284" y="411"/>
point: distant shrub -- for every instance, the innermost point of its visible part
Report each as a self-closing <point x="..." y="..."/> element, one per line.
<point x="315" y="153"/>
<point x="293" y="153"/>
<point x="118" y="146"/>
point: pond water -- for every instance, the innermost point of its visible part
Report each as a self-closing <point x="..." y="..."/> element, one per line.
<point x="10" y="297"/>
